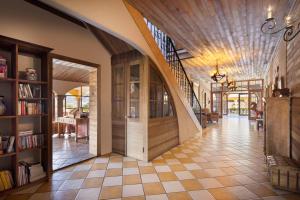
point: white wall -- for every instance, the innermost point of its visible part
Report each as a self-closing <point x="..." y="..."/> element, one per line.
<point x="114" y="17"/>
<point x="23" y="21"/>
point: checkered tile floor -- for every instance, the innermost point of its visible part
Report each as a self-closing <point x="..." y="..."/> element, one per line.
<point x="227" y="162"/>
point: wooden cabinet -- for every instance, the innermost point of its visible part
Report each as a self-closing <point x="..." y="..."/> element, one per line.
<point x="277" y="135"/>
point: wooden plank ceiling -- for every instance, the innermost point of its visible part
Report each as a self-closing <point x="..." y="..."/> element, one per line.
<point x="68" y="71"/>
<point x="223" y="30"/>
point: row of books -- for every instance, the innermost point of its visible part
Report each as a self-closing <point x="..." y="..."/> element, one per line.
<point x="7" y="144"/>
<point x="24" y="173"/>
<point x="25" y="91"/>
<point x="6" y="180"/>
<point x="29" y="172"/>
<point x="27" y="108"/>
<point x="30" y="141"/>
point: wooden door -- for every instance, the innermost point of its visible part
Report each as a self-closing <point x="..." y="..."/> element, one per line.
<point x="119" y="109"/>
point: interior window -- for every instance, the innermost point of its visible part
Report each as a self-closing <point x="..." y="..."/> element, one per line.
<point x="159" y="99"/>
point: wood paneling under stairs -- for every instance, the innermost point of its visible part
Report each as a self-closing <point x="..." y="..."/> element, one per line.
<point x="163" y="134"/>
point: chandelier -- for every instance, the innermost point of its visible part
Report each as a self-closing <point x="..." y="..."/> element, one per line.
<point x="217" y="76"/>
<point x="230" y="84"/>
<point x="291" y="28"/>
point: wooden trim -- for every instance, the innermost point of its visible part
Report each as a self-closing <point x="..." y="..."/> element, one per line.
<point x="56" y="12"/>
<point x="74" y="60"/>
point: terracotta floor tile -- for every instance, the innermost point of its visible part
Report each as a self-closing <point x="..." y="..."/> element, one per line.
<point x="228" y="181"/>
<point x="153" y="188"/>
<point x="65" y="195"/>
<point x="49" y="186"/>
<point x="147" y="170"/>
<point x="179" y="196"/>
<point x="230" y="171"/>
<point x="177" y="167"/>
<point x="130" y="164"/>
<point x="200" y="174"/>
<point x="112" y="192"/>
<point x="131" y="179"/>
<point x="116" y="159"/>
<point x="260" y="190"/>
<point x="79" y="174"/>
<point x="222" y="194"/>
<point x="134" y="198"/>
<point x="98" y="166"/>
<point x="114" y="172"/>
<point x="191" y="184"/>
<point x="92" y="183"/>
<point x="167" y="176"/>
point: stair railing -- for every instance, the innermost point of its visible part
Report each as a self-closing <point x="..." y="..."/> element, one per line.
<point x="167" y="47"/>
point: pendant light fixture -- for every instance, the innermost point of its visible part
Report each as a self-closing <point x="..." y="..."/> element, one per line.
<point x="217" y="76"/>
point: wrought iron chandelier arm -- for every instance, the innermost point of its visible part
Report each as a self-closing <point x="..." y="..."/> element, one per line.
<point x="269" y="27"/>
<point x="291" y="32"/>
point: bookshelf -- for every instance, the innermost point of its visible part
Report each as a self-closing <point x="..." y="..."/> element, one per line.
<point x="28" y="111"/>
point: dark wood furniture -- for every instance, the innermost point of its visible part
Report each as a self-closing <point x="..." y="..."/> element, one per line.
<point x="80" y="126"/>
<point x="21" y="55"/>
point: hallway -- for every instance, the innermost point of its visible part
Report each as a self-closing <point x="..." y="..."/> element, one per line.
<point x="226" y="163"/>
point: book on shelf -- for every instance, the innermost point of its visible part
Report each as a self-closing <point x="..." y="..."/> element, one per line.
<point x="6" y="180"/>
<point x="29" y="91"/>
<point x="7" y="144"/>
<point x="28" y="140"/>
<point x="28" y="108"/>
<point x="25" y="91"/>
<point x="29" y="172"/>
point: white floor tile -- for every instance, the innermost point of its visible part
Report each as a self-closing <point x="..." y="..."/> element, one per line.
<point x="90" y="194"/>
<point x="133" y="190"/>
<point x="96" y="173"/>
<point x="112" y="181"/>
<point x="149" y="178"/>
<point x="183" y="175"/>
<point x="163" y="168"/>
<point x="173" y="186"/>
<point x="116" y="165"/>
<point x="201" y="194"/>
<point x="157" y="197"/>
<point x="130" y="171"/>
<point x="210" y="183"/>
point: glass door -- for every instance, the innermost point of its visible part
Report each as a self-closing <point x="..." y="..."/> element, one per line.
<point x="217" y="103"/>
<point x="225" y="104"/>
<point x="233" y="104"/>
<point x="243" y="104"/>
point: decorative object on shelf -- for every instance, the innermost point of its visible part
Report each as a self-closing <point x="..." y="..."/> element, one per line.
<point x="217" y="76"/>
<point x="31" y="74"/>
<point x="3" y="67"/>
<point x="2" y="106"/>
<point x="291" y="27"/>
<point x="284" y="92"/>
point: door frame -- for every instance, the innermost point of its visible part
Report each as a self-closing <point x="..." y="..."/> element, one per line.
<point x="52" y="56"/>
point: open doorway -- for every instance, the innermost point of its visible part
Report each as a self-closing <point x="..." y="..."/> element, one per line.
<point x="237" y="104"/>
<point x="72" y="103"/>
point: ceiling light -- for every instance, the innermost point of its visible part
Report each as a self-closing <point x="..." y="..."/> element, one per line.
<point x="217" y="76"/>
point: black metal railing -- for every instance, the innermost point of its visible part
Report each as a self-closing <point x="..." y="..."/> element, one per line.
<point x="167" y="47"/>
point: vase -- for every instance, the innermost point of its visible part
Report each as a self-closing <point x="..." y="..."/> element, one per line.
<point x="2" y="106"/>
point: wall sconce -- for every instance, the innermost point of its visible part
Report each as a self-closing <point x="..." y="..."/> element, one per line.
<point x="291" y="28"/>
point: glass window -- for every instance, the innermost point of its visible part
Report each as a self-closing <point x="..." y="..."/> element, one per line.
<point x="159" y="98"/>
<point x="134" y="91"/>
